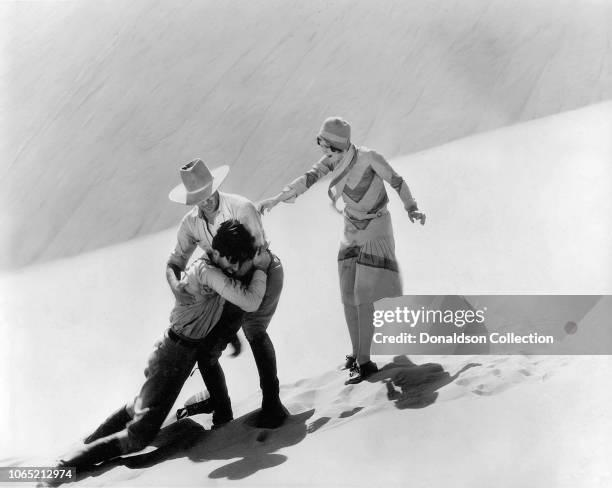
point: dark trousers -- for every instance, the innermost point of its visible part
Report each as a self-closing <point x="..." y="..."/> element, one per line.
<point x="255" y="326"/>
<point x="208" y="355"/>
<point x="168" y="369"/>
<point x="133" y="426"/>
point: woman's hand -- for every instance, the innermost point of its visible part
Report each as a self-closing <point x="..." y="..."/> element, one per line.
<point x="267" y="204"/>
<point x="417" y="215"/>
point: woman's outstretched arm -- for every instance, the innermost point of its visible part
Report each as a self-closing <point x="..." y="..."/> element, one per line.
<point x="297" y="186"/>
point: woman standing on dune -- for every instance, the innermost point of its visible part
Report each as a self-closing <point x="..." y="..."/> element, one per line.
<point x="367" y="265"/>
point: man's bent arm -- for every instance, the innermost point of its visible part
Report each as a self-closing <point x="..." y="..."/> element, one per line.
<point x="248" y="299"/>
<point x="185" y="244"/>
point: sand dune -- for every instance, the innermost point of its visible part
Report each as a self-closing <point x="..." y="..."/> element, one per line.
<point x="77" y="334"/>
<point x="474" y="425"/>
<point x="96" y="121"/>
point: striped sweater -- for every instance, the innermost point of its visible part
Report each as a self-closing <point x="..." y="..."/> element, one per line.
<point x="364" y="192"/>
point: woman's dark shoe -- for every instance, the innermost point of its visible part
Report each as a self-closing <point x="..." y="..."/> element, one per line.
<point x="361" y="372"/>
<point x="350" y="362"/>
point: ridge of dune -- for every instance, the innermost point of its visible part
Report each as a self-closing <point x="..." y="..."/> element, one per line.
<point x="95" y="129"/>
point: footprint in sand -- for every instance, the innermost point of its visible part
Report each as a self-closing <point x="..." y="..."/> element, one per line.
<point x="483" y="393"/>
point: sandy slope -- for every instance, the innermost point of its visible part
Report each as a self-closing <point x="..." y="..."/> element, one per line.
<point x="95" y="121"/>
<point x="77" y="332"/>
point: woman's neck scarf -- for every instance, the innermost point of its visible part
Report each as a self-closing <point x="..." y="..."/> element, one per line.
<point x="340" y="175"/>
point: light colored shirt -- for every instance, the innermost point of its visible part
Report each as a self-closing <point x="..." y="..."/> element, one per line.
<point x="195" y="231"/>
<point x="211" y="288"/>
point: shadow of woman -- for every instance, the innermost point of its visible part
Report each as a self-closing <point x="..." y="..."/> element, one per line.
<point x="415" y="386"/>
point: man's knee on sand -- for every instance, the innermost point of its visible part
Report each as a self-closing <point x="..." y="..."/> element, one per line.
<point x="143" y="427"/>
<point x="123" y="442"/>
<point x="136" y="438"/>
<point x="130" y="442"/>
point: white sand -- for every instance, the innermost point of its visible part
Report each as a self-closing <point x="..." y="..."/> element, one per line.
<point x="77" y="333"/>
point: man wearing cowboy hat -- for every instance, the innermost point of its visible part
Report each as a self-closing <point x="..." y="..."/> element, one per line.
<point x="200" y="188"/>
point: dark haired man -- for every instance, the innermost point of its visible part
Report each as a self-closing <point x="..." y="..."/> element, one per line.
<point x="198" y="228"/>
<point x="208" y="280"/>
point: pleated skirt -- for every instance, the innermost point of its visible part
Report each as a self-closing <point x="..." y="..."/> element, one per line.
<point x="367" y="266"/>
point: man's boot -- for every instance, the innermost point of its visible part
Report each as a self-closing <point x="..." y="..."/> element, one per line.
<point x="94" y="453"/>
<point x="272" y="413"/>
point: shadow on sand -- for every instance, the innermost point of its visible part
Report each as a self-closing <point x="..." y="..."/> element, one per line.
<point x="252" y="449"/>
<point x="414" y="386"/>
<point x="408" y="386"/>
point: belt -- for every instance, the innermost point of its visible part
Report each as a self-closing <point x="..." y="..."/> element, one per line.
<point x="364" y="216"/>
<point x="177" y="339"/>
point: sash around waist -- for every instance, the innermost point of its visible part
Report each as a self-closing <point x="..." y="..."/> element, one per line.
<point x="357" y="215"/>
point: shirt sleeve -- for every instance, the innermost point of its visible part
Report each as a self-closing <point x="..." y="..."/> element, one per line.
<point x="185" y="245"/>
<point x="387" y="173"/>
<point x="247" y="298"/>
<point x="314" y="174"/>
<point x="250" y="218"/>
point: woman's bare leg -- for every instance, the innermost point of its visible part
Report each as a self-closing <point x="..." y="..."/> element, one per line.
<point x="366" y="332"/>
<point x="351" y="313"/>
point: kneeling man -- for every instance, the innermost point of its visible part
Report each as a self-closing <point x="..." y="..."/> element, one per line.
<point x="208" y="280"/>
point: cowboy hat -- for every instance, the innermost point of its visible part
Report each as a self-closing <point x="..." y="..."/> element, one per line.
<point x="199" y="182"/>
